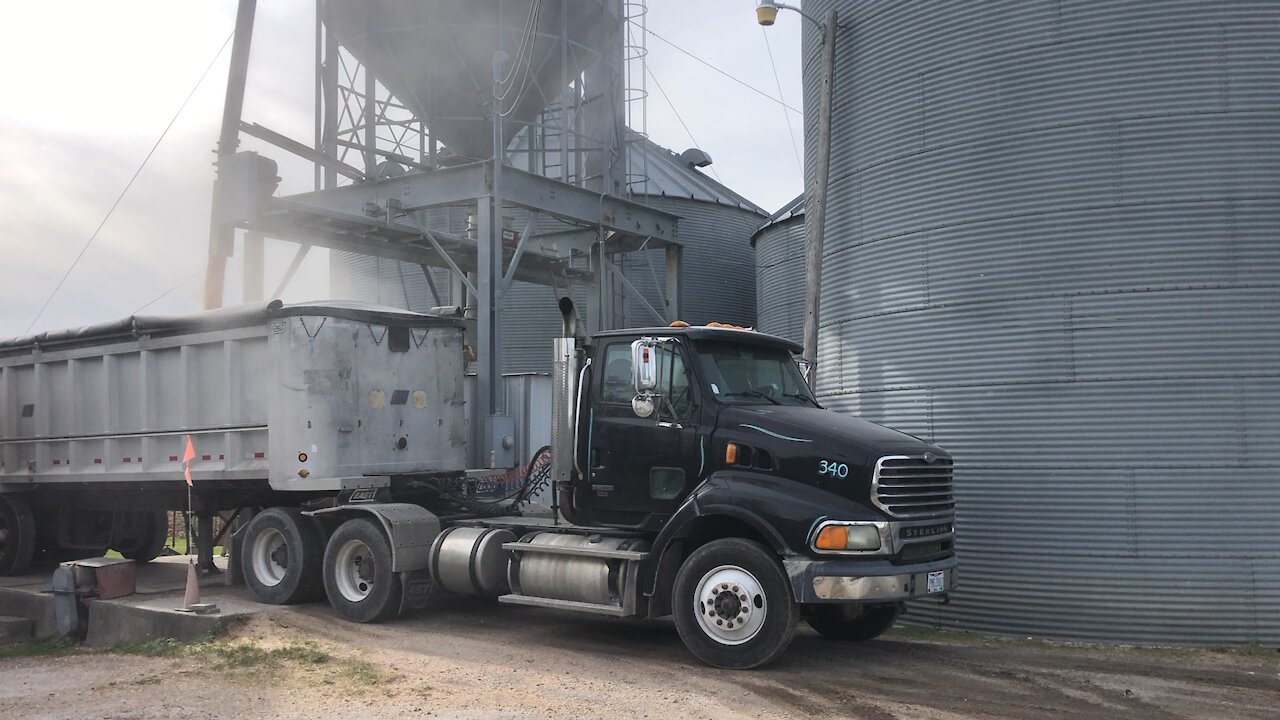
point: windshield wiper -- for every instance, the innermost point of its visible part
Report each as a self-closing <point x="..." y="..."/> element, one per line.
<point x="753" y="393"/>
<point x="801" y="396"/>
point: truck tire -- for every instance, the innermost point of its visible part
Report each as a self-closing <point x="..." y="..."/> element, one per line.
<point x="852" y="622"/>
<point x="357" y="573"/>
<point x="732" y="604"/>
<point x="281" y="555"/>
<point x="17" y="535"/>
<point x="149" y="541"/>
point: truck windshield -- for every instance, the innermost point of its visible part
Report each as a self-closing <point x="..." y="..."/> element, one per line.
<point x="752" y="375"/>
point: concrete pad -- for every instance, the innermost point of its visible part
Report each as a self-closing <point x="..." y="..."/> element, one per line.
<point x="30" y="603"/>
<point x="14" y="629"/>
<point x="148" y="614"/>
<point x="138" y="619"/>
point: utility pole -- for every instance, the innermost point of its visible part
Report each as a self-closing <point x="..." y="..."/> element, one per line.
<point x="221" y="235"/>
<point x="816" y="212"/>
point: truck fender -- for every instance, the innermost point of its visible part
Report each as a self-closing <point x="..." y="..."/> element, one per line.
<point x="718" y="495"/>
<point x="410" y="529"/>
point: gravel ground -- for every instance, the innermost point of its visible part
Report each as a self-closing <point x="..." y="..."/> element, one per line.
<point x="471" y="660"/>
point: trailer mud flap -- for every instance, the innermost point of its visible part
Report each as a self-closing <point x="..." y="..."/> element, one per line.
<point x="415" y="591"/>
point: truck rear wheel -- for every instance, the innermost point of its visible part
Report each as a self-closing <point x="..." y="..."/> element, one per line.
<point x="732" y="604"/>
<point x="357" y="573"/>
<point x="852" y="622"/>
<point x="17" y="535"/>
<point x="151" y="532"/>
<point x="281" y="555"/>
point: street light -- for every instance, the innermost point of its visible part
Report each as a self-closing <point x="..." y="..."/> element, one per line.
<point x="767" y="13"/>
<point x="816" y="209"/>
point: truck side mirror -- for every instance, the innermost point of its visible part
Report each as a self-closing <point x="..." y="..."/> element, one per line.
<point x="644" y="366"/>
<point x="642" y="405"/>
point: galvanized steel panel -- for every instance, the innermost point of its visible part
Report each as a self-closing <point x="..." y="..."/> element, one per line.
<point x="300" y="397"/>
<point x="1052" y="248"/>
<point x="718" y="281"/>
<point x="718" y="276"/>
<point x="780" y="278"/>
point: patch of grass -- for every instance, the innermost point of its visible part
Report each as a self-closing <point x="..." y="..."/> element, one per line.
<point x="246" y="654"/>
<point x="156" y="647"/>
<point x="236" y="655"/>
<point x="42" y="647"/>
<point x="304" y="653"/>
<point x="360" y="672"/>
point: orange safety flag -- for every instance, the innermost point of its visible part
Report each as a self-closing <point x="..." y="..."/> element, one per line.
<point x="187" y="456"/>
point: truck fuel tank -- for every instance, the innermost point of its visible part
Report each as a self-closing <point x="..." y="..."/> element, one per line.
<point x="575" y="568"/>
<point x="471" y="561"/>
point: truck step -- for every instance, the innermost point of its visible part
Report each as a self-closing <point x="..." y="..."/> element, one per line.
<point x="573" y="605"/>
<point x="580" y="552"/>
<point x="14" y="629"/>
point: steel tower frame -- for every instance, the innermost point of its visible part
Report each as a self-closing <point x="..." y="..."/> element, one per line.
<point x="572" y="189"/>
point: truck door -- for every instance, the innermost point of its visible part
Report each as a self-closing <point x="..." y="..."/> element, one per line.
<point x="642" y="465"/>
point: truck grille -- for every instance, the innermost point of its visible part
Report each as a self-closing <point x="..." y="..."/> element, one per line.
<point x="910" y="486"/>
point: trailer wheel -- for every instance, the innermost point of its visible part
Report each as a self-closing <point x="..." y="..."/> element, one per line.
<point x="732" y="604"/>
<point x="17" y="535"/>
<point x="357" y="573"/>
<point x="852" y="622"/>
<point x="149" y="542"/>
<point x="281" y="555"/>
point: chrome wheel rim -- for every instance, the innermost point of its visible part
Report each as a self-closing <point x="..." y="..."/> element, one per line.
<point x="730" y="605"/>
<point x="353" y="570"/>
<point x="270" y="557"/>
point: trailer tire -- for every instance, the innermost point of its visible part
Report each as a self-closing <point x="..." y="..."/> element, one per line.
<point x="357" y="573"/>
<point x="841" y="622"/>
<point x="149" y="543"/>
<point x="714" y="620"/>
<point x="281" y="556"/>
<point x="17" y="535"/>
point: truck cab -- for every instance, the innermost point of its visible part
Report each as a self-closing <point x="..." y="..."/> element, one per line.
<point x="709" y="434"/>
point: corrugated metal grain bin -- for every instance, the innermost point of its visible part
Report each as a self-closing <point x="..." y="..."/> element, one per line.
<point x="1052" y="248"/>
<point x="300" y="395"/>
<point x="779" y="250"/>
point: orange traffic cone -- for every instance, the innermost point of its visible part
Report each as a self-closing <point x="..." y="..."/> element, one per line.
<point x="191" y="599"/>
<point x="192" y="596"/>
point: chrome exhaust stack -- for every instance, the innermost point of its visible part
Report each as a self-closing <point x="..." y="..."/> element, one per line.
<point x="564" y="410"/>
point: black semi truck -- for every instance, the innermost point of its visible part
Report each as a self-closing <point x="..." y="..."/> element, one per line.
<point x="691" y="472"/>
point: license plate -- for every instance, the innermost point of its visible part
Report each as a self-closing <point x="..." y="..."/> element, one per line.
<point x="937" y="581"/>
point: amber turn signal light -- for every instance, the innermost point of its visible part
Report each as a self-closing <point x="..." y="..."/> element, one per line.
<point x="831" y="537"/>
<point x="730" y="454"/>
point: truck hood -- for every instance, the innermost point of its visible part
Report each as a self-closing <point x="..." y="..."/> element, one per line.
<point x="824" y="428"/>
<point x="802" y="440"/>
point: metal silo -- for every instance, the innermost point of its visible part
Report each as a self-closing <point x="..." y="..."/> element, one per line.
<point x="1053" y="247"/>
<point x="716" y="224"/>
<point x="779" y="250"/>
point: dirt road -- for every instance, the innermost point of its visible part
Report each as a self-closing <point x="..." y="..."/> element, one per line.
<point x="473" y="660"/>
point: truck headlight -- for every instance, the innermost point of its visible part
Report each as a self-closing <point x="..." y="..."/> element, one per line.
<point x="840" y="536"/>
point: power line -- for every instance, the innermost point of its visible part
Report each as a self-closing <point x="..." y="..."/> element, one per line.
<point x="188" y="279"/>
<point x="790" y="132"/>
<point x="129" y="185"/>
<point x="743" y="83"/>
<point x="677" y="112"/>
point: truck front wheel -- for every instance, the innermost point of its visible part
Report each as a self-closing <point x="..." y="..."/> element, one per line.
<point x="281" y="554"/>
<point x="357" y="573"/>
<point x="852" y="622"/>
<point x="733" y="606"/>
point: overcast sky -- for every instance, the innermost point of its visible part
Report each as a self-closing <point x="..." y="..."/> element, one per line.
<point x="91" y="84"/>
